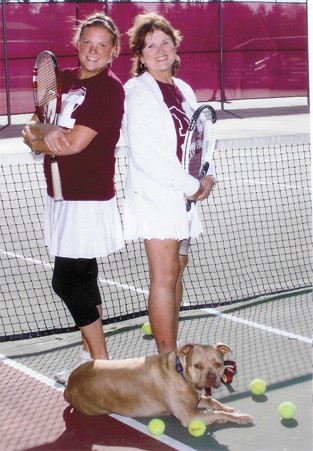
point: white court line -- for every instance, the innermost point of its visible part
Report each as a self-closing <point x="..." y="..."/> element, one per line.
<point x="262" y="182"/>
<point x="26" y="259"/>
<point x="123" y="285"/>
<point x="29" y="372"/>
<point x="128" y="421"/>
<point x="208" y="310"/>
<point x="50" y="266"/>
<point x="258" y="326"/>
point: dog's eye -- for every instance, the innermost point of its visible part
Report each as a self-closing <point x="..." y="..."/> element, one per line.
<point x="198" y="366"/>
<point x="218" y="365"/>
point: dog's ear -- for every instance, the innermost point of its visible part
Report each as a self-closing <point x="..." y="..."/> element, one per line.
<point x="224" y="349"/>
<point x="185" y="349"/>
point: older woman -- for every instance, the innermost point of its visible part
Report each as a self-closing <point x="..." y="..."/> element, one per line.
<point x="157" y="112"/>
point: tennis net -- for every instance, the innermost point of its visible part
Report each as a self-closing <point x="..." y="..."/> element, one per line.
<point x="256" y="239"/>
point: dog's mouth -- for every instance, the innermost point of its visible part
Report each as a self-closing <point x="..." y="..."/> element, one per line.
<point x="208" y="385"/>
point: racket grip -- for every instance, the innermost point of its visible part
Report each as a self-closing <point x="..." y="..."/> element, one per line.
<point x="56" y="180"/>
<point x="204" y="169"/>
<point x="203" y="173"/>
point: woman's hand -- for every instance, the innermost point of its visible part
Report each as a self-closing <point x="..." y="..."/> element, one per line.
<point x="54" y="138"/>
<point x="28" y="136"/>
<point x="206" y="185"/>
<point x="46" y="138"/>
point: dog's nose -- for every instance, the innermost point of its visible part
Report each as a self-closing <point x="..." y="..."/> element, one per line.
<point x="212" y="379"/>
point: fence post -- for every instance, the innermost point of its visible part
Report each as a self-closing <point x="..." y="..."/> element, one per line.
<point x="221" y="55"/>
<point x="6" y="68"/>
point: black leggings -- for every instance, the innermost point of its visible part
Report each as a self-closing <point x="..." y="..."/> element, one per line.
<point x="76" y="282"/>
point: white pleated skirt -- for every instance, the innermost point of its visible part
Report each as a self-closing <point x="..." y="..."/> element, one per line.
<point x="82" y="229"/>
<point x="149" y="222"/>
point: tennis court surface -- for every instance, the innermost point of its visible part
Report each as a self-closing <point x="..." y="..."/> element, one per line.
<point x="248" y="285"/>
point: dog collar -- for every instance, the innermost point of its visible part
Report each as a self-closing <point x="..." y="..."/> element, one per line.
<point x="179" y="367"/>
<point x="180" y="370"/>
<point x="227" y="378"/>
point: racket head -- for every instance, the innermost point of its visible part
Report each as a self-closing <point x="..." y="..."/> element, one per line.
<point x="199" y="140"/>
<point x="47" y="87"/>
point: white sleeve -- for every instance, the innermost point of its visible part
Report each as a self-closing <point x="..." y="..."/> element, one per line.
<point x="144" y="136"/>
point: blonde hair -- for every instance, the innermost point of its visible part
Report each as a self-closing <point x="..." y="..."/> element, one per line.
<point x="143" y="25"/>
<point x="98" y="19"/>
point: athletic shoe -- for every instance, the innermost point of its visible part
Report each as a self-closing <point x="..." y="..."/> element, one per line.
<point x="63" y="376"/>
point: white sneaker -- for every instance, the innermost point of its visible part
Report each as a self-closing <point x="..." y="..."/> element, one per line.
<point x="81" y="358"/>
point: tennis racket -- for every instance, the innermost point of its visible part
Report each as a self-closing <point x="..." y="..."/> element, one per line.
<point x="199" y="143"/>
<point x="48" y="98"/>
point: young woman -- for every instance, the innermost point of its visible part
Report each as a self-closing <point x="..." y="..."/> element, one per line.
<point x="157" y="112"/>
<point x="86" y="225"/>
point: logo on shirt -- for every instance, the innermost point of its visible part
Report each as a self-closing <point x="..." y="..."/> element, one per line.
<point x="180" y="119"/>
<point x="70" y="101"/>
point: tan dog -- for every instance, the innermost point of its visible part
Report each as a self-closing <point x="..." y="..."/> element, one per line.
<point x="170" y="383"/>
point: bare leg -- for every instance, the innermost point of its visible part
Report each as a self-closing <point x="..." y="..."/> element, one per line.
<point x="183" y="259"/>
<point x="94" y="340"/>
<point x="164" y="268"/>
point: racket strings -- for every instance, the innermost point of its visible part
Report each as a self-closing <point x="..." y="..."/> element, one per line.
<point x="46" y="82"/>
<point x="196" y="149"/>
<point x="46" y="89"/>
<point x="200" y="140"/>
<point x="209" y="134"/>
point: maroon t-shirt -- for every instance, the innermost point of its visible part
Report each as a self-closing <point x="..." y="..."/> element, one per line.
<point x="97" y="103"/>
<point x="174" y="100"/>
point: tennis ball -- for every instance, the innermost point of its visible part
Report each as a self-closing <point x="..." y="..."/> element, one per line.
<point x="156" y="426"/>
<point x="146" y="329"/>
<point x="287" y="410"/>
<point x="258" y="387"/>
<point x="196" y="428"/>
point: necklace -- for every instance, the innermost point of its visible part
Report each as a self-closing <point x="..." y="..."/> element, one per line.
<point x="174" y="93"/>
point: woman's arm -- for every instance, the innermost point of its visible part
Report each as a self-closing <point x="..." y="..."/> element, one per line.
<point x="144" y="132"/>
<point x="54" y="140"/>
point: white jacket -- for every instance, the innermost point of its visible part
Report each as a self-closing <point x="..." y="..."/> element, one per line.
<point x="156" y="183"/>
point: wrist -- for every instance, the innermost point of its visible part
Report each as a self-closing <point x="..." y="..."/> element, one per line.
<point x="213" y="178"/>
<point x="200" y="190"/>
<point x="31" y="145"/>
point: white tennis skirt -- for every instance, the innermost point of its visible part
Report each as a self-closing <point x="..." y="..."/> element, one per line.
<point x="147" y="223"/>
<point x="82" y="229"/>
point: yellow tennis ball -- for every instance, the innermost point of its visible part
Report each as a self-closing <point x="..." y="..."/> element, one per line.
<point x="196" y="428"/>
<point x="156" y="426"/>
<point x="258" y="387"/>
<point x="146" y="329"/>
<point x="287" y="410"/>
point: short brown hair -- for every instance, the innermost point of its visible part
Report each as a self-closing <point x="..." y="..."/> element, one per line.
<point x="143" y="25"/>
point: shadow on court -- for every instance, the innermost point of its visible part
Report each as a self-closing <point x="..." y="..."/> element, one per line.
<point x="270" y="339"/>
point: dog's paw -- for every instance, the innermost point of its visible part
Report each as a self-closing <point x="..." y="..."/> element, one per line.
<point x="230" y="409"/>
<point x="244" y="418"/>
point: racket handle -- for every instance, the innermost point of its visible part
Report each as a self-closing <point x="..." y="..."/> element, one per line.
<point x="204" y="169"/>
<point x="56" y="179"/>
<point x="188" y="204"/>
<point x="203" y="173"/>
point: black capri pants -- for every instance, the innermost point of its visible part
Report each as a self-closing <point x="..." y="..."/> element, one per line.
<point x="75" y="280"/>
